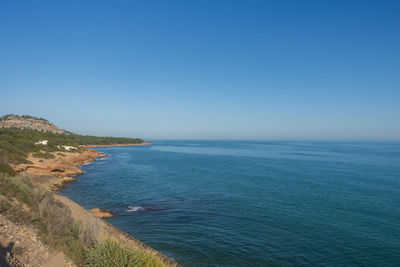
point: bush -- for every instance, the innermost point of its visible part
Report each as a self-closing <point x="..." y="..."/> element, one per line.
<point x="6" y="169"/>
<point x="15" y="213"/>
<point x="58" y="229"/>
<point x="19" y="188"/>
<point x="45" y="155"/>
<point x="16" y="144"/>
<point x="110" y="254"/>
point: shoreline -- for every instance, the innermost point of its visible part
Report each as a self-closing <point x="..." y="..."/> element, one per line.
<point x="116" y="145"/>
<point x="55" y="174"/>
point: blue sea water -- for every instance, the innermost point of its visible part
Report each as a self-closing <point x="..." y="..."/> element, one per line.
<point x="248" y="203"/>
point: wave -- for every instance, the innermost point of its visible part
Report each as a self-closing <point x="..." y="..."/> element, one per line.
<point x="134" y="208"/>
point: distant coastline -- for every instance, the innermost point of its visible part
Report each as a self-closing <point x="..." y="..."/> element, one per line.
<point x="115" y="145"/>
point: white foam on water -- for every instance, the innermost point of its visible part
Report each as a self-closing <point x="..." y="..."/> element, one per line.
<point x="134" y="208"/>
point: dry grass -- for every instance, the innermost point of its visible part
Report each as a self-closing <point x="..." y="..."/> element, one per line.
<point x="24" y="204"/>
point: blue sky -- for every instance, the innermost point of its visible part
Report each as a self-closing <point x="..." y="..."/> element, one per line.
<point x="205" y="69"/>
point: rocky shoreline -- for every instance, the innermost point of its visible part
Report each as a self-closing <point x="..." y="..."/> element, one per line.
<point x="57" y="172"/>
<point x="53" y="174"/>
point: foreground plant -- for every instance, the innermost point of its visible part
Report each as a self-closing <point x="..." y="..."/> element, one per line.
<point x="108" y="253"/>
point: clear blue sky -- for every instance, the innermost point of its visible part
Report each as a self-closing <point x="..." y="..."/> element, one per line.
<point x="205" y="69"/>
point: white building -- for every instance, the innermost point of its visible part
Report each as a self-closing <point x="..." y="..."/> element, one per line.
<point x="42" y="142"/>
<point x="68" y="148"/>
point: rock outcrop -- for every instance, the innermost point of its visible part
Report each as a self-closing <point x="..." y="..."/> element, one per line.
<point x="55" y="173"/>
<point x="102" y="214"/>
<point x="29" y="122"/>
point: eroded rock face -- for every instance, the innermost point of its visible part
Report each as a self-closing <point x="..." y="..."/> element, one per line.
<point x="29" y="122"/>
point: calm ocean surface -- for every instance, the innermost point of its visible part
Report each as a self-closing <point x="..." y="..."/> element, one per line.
<point x="236" y="203"/>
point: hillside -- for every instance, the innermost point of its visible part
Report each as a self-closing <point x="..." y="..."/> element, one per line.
<point x="17" y="142"/>
<point x="29" y="122"/>
<point x="41" y="228"/>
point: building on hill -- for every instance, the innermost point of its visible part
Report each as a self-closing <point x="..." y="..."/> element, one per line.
<point x="68" y="148"/>
<point x="42" y="142"/>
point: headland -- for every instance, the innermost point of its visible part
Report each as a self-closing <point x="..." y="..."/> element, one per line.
<point x="37" y="160"/>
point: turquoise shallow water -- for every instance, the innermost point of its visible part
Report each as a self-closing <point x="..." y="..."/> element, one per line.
<point x="235" y="203"/>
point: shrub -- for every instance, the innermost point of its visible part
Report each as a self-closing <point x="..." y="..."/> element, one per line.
<point x="108" y="253"/>
<point x="6" y="169"/>
<point x="45" y="155"/>
<point x="19" y="188"/>
<point x="16" y="144"/>
<point x="15" y="213"/>
<point x="58" y="229"/>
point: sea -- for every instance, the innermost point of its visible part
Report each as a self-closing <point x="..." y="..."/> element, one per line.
<point x="253" y="203"/>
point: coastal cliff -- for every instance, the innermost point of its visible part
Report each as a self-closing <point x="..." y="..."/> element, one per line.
<point x="34" y="166"/>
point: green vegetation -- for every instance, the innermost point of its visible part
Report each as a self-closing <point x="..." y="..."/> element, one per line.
<point x="23" y="203"/>
<point x="6" y="169"/>
<point x="15" y="144"/>
<point x="15" y="213"/>
<point x="57" y="229"/>
<point x="43" y="155"/>
<point x="109" y="254"/>
<point x="24" y="139"/>
<point x="19" y="188"/>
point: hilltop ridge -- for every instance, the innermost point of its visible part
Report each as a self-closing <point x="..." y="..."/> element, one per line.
<point x="29" y="122"/>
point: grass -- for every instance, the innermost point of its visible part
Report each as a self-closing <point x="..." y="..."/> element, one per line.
<point x="15" y="213"/>
<point x="67" y="242"/>
<point x="19" y="188"/>
<point x="65" y="238"/>
<point x="58" y="230"/>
